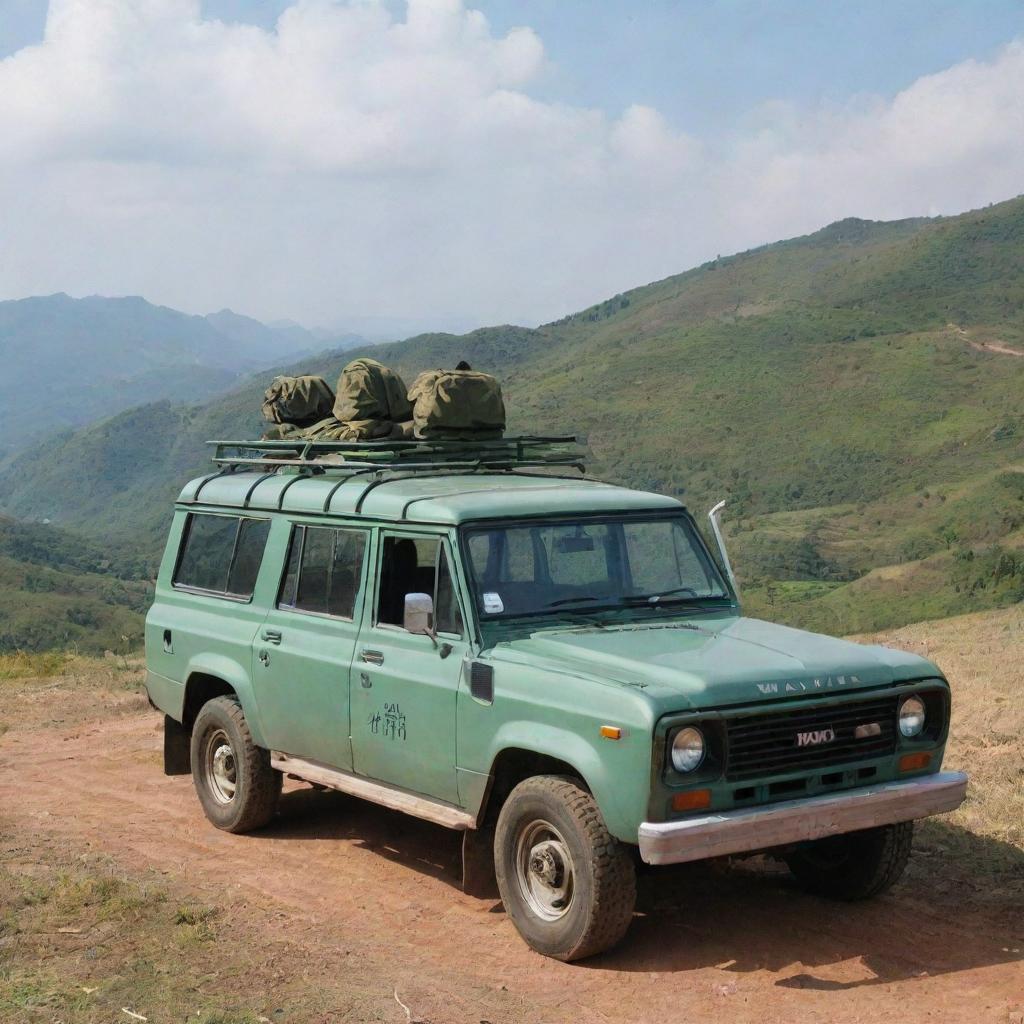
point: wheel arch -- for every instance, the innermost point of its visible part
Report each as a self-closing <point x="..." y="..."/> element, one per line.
<point x="219" y="677"/>
<point x="525" y="748"/>
<point x="515" y="764"/>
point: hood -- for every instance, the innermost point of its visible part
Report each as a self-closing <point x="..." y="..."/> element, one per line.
<point x="716" y="661"/>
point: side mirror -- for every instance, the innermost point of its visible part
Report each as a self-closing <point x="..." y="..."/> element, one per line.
<point x="419" y="614"/>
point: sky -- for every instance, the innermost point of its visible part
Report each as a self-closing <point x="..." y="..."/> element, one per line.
<point x="442" y="164"/>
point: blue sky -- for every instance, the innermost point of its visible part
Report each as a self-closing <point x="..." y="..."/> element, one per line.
<point x="406" y="160"/>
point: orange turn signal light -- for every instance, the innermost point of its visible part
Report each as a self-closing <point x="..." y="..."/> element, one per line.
<point x="914" y="762"/>
<point x="694" y="800"/>
<point x="611" y="732"/>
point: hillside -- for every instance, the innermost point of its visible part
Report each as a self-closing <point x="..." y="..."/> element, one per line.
<point x="67" y="362"/>
<point x="854" y="393"/>
<point x="59" y="590"/>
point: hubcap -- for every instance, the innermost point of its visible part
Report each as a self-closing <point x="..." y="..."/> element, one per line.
<point x="544" y="870"/>
<point x="221" y="771"/>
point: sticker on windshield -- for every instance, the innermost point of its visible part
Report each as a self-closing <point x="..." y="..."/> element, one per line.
<point x="492" y="603"/>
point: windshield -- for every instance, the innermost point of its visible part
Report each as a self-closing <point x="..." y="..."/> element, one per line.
<point x="565" y="566"/>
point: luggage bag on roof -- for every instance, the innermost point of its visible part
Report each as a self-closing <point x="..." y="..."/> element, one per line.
<point x="368" y="390"/>
<point x="301" y="401"/>
<point x="457" y="404"/>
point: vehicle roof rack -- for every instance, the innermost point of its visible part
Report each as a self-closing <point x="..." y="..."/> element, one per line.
<point x="364" y="457"/>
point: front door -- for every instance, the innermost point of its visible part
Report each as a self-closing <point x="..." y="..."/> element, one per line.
<point x="404" y="684"/>
<point x="304" y="650"/>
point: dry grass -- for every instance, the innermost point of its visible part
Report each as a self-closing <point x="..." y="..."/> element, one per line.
<point x="51" y="690"/>
<point x="983" y="657"/>
<point x="23" y="665"/>
<point x="79" y="940"/>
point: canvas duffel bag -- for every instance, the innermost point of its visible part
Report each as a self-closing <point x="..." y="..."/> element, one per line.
<point x="455" y="404"/>
<point x="368" y="390"/>
<point x="299" y="400"/>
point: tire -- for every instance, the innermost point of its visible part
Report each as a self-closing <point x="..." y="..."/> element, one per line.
<point x="567" y="884"/>
<point x="855" y="866"/>
<point x="233" y="778"/>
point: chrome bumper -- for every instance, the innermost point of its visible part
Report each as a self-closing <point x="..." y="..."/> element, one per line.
<point x="794" y="821"/>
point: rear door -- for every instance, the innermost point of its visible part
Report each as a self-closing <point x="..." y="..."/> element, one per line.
<point x="304" y="650"/>
<point x="404" y="685"/>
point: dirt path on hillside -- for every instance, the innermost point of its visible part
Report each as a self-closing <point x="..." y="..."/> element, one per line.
<point x="985" y="346"/>
<point x="372" y="897"/>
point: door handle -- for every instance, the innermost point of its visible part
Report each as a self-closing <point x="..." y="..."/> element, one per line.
<point x="371" y="657"/>
<point x="272" y="636"/>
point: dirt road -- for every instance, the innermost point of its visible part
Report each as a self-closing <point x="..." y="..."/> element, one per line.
<point x="341" y="889"/>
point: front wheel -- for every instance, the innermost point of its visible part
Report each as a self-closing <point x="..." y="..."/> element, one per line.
<point x="567" y="884"/>
<point x="855" y="866"/>
<point x="233" y="778"/>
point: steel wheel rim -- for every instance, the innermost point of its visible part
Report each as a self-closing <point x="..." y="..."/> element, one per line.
<point x="544" y="870"/>
<point x="220" y="767"/>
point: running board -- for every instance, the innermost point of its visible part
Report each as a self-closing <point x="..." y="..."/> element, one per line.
<point x="396" y="799"/>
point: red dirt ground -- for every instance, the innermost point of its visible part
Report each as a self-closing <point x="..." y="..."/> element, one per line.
<point x="371" y="897"/>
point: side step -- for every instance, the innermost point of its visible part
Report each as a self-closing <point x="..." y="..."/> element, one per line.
<point x="437" y="811"/>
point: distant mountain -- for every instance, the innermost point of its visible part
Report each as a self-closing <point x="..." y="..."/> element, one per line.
<point x="855" y="393"/>
<point x="320" y="338"/>
<point x="66" y="362"/>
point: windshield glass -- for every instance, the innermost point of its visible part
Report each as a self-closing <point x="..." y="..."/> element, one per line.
<point x="562" y="566"/>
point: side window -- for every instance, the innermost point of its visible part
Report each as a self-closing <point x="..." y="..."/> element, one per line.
<point x="252" y="539"/>
<point x="323" y="571"/>
<point x="222" y="554"/>
<point x="417" y="566"/>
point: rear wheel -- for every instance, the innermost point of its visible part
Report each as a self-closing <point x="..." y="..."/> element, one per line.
<point x="855" y="866"/>
<point x="233" y="778"/>
<point x="568" y="885"/>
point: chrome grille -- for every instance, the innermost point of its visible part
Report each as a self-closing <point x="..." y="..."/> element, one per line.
<point x="766" y="744"/>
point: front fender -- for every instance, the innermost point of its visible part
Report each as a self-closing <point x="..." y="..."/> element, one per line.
<point x="616" y="774"/>
<point x="237" y="677"/>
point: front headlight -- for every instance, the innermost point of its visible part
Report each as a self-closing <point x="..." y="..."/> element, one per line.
<point x="912" y="717"/>
<point x="687" y="749"/>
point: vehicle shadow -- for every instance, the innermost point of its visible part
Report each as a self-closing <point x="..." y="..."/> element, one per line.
<point x="960" y="905"/>
<point x="309" y="814"/>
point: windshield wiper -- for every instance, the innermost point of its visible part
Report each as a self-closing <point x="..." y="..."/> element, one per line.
<point x="687" y="595"/>
<point x="570" y="600"/>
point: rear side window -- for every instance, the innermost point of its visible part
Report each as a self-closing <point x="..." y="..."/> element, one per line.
<point x="221" y="554"/>
<point x="324" y="570"/>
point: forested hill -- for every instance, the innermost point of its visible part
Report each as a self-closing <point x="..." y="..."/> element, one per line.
<point x="855" y="393"/>
<point x="60" y="591"/>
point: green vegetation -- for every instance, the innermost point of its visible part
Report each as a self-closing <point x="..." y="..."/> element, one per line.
<point x="58" y="590"/>
<point x="835" y="388"/>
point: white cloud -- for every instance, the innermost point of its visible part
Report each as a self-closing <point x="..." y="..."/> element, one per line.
<point x="352" y="161"/>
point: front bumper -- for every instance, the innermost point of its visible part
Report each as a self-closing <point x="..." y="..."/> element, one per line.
<point x="795" y="821"/>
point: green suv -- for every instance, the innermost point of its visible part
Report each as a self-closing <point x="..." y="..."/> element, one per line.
<point x="558" y="667"/>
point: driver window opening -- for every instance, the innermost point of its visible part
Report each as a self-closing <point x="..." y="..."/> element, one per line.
<point x="417" y="565"/>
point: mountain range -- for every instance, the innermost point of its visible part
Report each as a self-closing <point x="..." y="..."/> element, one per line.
<point x="855" y="394"/>
<point x="67" y="362"/>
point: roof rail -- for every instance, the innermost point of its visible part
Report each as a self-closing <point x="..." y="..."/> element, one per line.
<point x="365" y="457"/>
